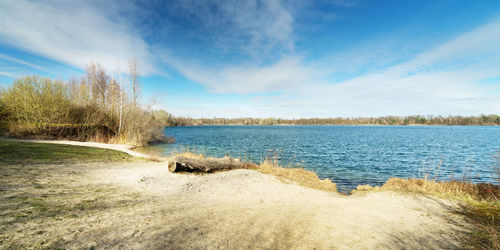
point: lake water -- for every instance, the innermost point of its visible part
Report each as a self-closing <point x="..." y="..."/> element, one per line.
<point x="352" y="155"/>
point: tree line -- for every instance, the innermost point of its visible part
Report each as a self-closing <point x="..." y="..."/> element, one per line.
<point x="97" y="106"/>
<point x="482" y="120"/>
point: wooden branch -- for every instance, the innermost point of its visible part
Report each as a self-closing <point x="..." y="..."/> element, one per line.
<point x="206" y="165"/>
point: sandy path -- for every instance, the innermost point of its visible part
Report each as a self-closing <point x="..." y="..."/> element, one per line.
<point x="142" y="205"/>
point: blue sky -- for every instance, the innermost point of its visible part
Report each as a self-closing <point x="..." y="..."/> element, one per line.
<point x="290" y="59"/>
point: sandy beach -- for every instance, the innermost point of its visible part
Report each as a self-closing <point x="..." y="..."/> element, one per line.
<point x="140" y="204"/>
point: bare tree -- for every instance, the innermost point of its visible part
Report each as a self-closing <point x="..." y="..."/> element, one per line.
<point x="121" y="100"/>
<point x="90" y="81"/>
<point x="97" y="79"/>
<point x="134" y="81"/>
<point x="113" y="97"/>
<point x="101" y="85"/>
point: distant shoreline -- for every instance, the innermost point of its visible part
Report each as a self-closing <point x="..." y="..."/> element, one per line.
<point x="412" y="120"/>
<point x="395" y="125"/>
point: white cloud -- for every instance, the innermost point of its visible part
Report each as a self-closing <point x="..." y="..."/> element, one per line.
<point x="267" y="24"/>
<point x="245" y="79"/>
<point x="31" y="65"/>
<point x="8" y="74"/>
<point x="73" y="32"/>
<point x="469" y="49"/>
<point x="254" y="27"/>
<point x="443" y="80"/>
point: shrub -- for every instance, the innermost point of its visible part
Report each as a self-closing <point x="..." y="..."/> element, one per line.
<point x="35" y="102"/>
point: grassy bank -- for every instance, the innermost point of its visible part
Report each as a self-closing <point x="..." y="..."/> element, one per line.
<point x="16" y="152"/>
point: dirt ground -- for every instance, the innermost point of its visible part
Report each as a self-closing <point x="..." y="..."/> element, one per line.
<point x="139" y="204"/>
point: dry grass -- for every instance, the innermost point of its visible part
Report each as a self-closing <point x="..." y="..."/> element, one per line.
<point x="461" y="190"/>
<point x="192" y="155"/>
<point x="189" y="154"/>
<point x="297" y="175"/>
<point x="481" y="204"/>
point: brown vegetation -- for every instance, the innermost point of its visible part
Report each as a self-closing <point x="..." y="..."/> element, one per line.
<point x="94" y="108"/>
<point x="297" y="175"/>
<point x="455" y="189"/>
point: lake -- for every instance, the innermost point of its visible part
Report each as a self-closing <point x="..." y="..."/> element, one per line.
<point x="352" y="155"/>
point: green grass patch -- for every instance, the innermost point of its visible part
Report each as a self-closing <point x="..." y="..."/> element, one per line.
<point x="16" y="152"/>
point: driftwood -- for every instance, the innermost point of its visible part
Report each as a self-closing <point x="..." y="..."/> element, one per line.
<point x="206" y="165"/>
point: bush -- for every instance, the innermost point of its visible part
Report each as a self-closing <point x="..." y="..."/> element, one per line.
<point x="35" y="102"/>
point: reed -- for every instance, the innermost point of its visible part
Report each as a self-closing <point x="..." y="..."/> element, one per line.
<point x="299" y="176"/>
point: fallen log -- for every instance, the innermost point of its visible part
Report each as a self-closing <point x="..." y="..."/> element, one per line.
<point x="206" y="165"/>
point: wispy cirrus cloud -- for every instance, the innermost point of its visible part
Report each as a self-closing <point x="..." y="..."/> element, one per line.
<point x="252" y="29"/>
<point x="445" y="79"/>
<point x="73" y="32"/>
<point x="25" y="63"/>
<point x="9" y="74"/>
<point x="247" y="78"/>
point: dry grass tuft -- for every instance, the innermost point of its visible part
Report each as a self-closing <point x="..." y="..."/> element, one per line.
<point x="192" y="155"/>
<point x="461" y="190"/>
<point x="362" y="188"/>
<point x="298" y="175"/>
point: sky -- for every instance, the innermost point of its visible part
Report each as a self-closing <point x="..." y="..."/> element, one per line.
<point x="272" y="58"/>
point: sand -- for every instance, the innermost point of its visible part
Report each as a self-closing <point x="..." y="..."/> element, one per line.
<point x="141" y="205"/>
